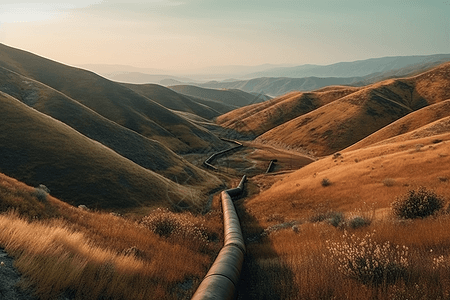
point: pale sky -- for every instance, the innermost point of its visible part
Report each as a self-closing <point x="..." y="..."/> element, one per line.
<point x="190" y="34"/>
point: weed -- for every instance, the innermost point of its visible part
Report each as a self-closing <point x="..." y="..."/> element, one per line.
<point x="418" y="203"/>
<point x="367" y="261"/>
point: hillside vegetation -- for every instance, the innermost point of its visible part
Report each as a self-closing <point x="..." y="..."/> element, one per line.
<point x="328" y="230"/>
<point x="67" y="252"/>
<point x="324" y="127"/>
<point x="113" y="101"/>
<point x="39" y="149"/>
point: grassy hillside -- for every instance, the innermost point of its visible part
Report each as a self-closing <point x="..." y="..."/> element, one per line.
<point x="112" y="100"/>
<point x="330" y="119"/>
<point x="65" y="251"/>
<point x="172" y="100"/>
<point x="256" y="119"/>
<point x="321" y="231"/>
<point x="234" y="97"/>
<point x="410" y="122"/>
<point x="38" y="149"/>
<point x="148" y="153"/>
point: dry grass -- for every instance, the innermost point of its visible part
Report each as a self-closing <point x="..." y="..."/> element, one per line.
<point x="90" y="255"/>
<point x="291" y="257"/>
<point x="301" y="261"/>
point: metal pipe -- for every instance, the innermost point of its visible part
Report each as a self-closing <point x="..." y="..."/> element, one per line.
<point x="222" y="279"/>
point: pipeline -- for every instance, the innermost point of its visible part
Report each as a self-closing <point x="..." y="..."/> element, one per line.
<point x="269" y="168"/>
<point x="222" y="279"/>
<point x="207" y="163"/>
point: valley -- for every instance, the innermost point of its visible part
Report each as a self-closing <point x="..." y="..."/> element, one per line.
<point x="108" y="180"/>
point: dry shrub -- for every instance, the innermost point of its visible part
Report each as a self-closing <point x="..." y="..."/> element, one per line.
<point x="325" y="182"/>
<point x="175" y="226"/>
<point x="418" y="203"/>
<point x="367" y="261"/>
<point x="334" y="218"/>
<point x="358" y="222"/>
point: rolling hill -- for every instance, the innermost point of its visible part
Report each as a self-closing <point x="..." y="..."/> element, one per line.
<point x="113" y="101"/>
<point x="256" y="119"/>
<point x="329" y="126"/>
<point x="148" y="153"/>
<point x="278" y="86"/>
<point x="39" y="149"/>
<point x="173" y="100"/>
<point x="362" y="180"/>
<point x="232" y="97"/>
<point x="411" y="122"/>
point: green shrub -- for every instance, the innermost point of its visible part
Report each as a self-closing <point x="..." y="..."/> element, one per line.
<point x="418" y="203"/>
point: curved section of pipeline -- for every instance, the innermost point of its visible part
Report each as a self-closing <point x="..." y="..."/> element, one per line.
<point x="223" y="277"/>
<point x="208" y="163"/>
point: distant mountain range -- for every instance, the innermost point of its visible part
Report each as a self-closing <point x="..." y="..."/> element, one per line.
<point x="276" y="81"/>
<point x="358" y="68"/>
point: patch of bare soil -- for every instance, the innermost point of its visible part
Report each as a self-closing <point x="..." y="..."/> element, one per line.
<point x="9" y="277"/>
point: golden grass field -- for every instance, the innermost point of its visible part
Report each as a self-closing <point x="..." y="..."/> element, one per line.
<point x="295" y="252"/>
<point x="60" y="249"/>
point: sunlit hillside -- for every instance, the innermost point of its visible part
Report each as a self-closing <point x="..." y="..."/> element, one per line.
<point x="328" y="230"/>
<point x="68" y="252"/>
<point x="256" y="119"/>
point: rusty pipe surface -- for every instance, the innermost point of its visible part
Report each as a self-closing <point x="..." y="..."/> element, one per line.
<point x="223" y="277"/>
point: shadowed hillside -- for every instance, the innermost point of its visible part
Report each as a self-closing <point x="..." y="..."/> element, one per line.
<point x="38" y="149"/>
<point x="148" y="153"/>
<point x="277" y="86"/>
<point x="172" y="100"/>
<point x="233" y="97"/>
<point x="112" y="101"/>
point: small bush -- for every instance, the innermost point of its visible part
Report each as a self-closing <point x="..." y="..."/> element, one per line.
<point x="367" y="261"/>
<point x="358" y="222"/>
<point x="326" y="182"/>
<point x="418" y="203"/>
<point x="334" y="218"/>
<point x="167" y="224"/>
<point x="41" y="192"/>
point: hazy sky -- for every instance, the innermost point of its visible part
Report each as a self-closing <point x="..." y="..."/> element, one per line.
<point x="188" y="34"/>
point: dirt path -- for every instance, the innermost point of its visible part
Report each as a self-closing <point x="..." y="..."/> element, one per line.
<point x="9" y="277"/>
